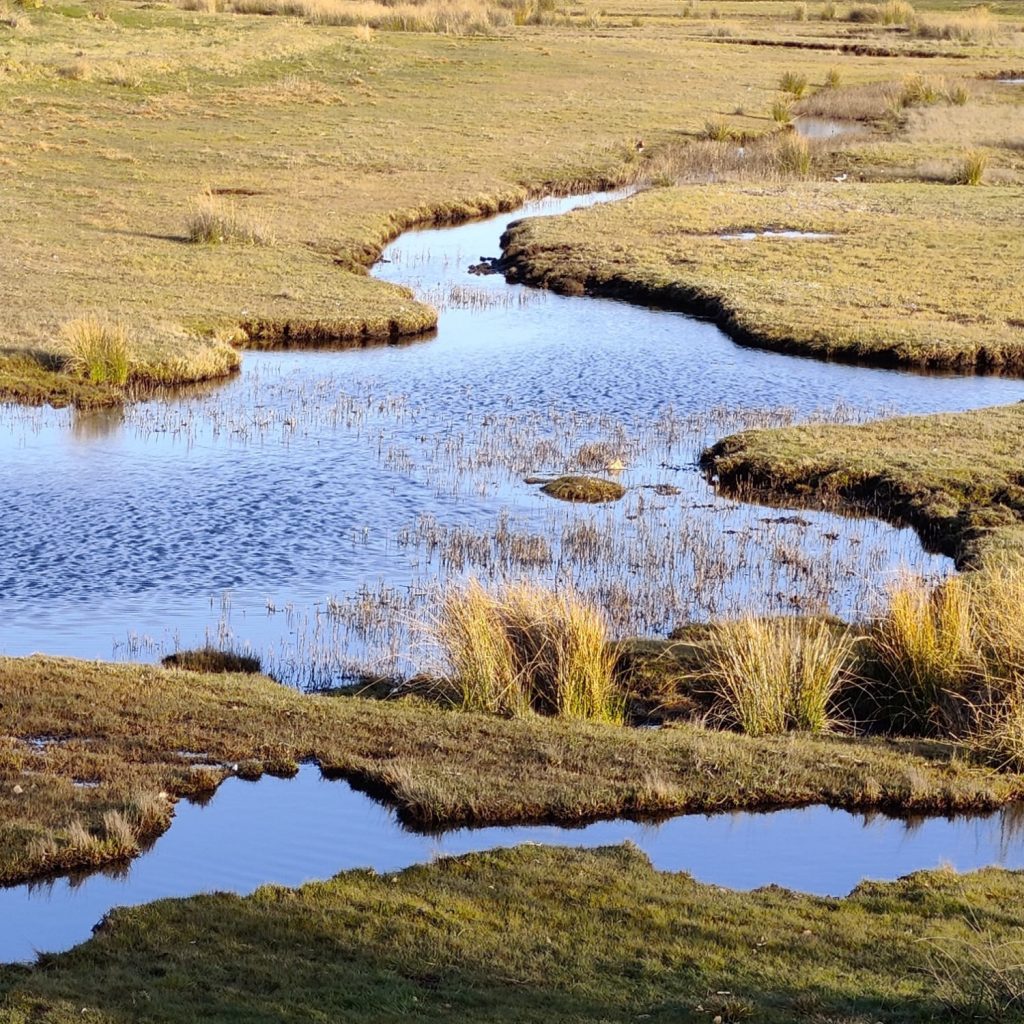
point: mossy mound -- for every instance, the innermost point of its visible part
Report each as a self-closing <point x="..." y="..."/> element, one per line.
<point x="584" y="488"/>
<point x="210" y="659"/>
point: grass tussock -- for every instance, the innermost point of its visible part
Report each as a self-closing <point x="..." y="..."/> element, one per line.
<point x="213" y="659"/>
<point x="213" y="219"/>
<point x="99" y="350"/>
<point x="793" y="155"/>
<point x="925" y="642"/>
<point x="793" y="83"/>
<point x="971" y="169"/>
<point x="775" y="675"/>
<point x="589" y="489"/>
<point x="526" y="648"/>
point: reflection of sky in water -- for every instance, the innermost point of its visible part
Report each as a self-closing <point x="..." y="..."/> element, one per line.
<point x="291" y="831"/>
<point x="293" y="483"/>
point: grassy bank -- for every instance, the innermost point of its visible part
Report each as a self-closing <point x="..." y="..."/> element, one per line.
<point x="535" y="934"/>
<point x="222" y="178"/>
<point x="955" y="477"/>
<point x="140" y="731"/>
<point x="880" y="279"/>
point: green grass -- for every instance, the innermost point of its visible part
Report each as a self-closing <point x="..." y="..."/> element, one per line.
<point x="859" y="295"/>
<point x="955" y="477"/>
<point x="125" y="726"/>
<point x="540" y="935"/>
<point x="590" y="489"/>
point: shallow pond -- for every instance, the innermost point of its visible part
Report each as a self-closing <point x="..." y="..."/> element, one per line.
<point x="287" y="832"/>
<point x="311" y="507"/>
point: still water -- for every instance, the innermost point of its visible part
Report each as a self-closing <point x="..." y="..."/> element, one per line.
<point x="286" y="832"/>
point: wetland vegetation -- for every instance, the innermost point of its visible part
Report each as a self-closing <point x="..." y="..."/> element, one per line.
<point x="839" y="181"/>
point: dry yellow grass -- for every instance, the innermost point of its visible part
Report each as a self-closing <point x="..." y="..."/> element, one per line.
<point x="526" y="648"/>
<point x="346" y="138"/>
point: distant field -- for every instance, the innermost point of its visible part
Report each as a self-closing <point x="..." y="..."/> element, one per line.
<point x="130" y="129"/>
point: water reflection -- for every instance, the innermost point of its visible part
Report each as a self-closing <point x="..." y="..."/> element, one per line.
<point x="291" y="831"/>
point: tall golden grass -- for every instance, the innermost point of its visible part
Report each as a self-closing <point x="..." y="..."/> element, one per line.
<point x="213" y="219"/>
<point x="926" y="644"/>
<point x="448" y="17"/>
<point x="98" y="349"/>
<point x="953" y="655"/>
<point x="528" y="648"/>
<point x="773" y="675"/>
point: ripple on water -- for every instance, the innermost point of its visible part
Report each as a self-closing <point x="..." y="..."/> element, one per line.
<point x="236" y="513"/>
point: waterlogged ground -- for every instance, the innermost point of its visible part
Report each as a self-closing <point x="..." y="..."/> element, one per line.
<point x="288" y="832"/>
<point x="312" y="508"/>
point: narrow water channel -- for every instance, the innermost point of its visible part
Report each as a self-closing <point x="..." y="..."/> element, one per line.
<point x="287" y="832"/>
<point x="310" y="507"/>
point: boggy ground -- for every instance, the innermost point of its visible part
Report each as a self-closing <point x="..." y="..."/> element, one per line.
<point x="535" y="934"/>
<point x="140" y="732"/>
<point x="958" y="478"/>
<point x="314" y="144"/>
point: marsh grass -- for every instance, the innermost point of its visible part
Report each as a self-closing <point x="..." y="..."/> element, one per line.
<point x="100" y="350"/>
<point x="446" y="17"/>
<point x="975" y="25"/>
<point x="971" y="169"/>
<point x="773" y="675"/>
<point x="925" y="641"/>
<point x="213" y="219"/>
<point x="793" y="83"/>
<point x="587" y="489"/>
<point x="213" y="659"/>
<point x="793" y="155"/>
<point x="977" y="976"/>
<point x="526" y="648"/>
<point x="782" y="110"/>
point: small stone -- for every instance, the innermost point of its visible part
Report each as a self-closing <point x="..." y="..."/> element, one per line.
<point x="17" y="791"/>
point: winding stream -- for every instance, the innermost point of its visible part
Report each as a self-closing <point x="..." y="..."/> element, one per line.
<point x="308" y="508"/>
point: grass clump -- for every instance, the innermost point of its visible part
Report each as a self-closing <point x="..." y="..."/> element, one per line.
<point x="925" y="641"/>
<point x="527" y="648"/>
<point x="782" y="110"/>
<point x="213" y="659"/>
<point x="774" y="675"/>
<point x="213" y="219"/>
<point x="591" y="489"/>
<point x="793" y="155"/>
<point x="793" y="83"/>
<point x="98" y="350"/>
<point x="972" y="167"/>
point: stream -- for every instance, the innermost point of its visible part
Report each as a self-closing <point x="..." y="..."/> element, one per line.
<point x="310" y="508"/>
